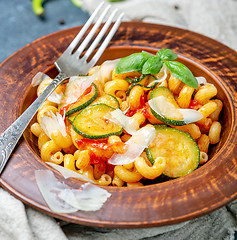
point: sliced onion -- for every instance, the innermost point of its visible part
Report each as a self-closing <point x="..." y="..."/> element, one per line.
<point x="38" y="78"/>
<point x="201" y="80"/>
<point x="62" y="199"/>
<point x="67" y="173"/>
<point x="128" y="123"/>
<point x="135" y="146"/>
<point x="52" y="122"/>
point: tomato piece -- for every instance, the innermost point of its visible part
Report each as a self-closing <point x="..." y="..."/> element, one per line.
<point x="193" y="104"/>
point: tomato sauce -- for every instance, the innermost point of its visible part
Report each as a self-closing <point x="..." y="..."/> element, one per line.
<point x="130" y="112"/>
<point x="193" y="104"/>
<point x="99" y="150"/>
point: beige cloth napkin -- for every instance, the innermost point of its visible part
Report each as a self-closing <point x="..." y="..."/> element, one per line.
<point x="216" y="19"/>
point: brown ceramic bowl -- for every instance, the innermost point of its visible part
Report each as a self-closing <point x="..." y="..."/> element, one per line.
<point x="206" y="189"/>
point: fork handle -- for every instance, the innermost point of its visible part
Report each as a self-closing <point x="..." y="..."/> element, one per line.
<point x="11" y="136"/>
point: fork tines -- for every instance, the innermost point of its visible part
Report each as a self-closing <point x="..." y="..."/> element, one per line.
<point x="78" y="52"/>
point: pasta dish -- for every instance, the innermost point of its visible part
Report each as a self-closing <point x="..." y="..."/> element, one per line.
<point x="132" y="121"/>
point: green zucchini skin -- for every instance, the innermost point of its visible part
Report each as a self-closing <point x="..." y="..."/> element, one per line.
<point x="83" y="102"/>
<point x="107" y="99"/>
<point x="91" y="122"/>
<point x="164" y="91"/>
<point x="181" y="152"/>
<point x="138" y="84"/>
<point x="149" y="155"/>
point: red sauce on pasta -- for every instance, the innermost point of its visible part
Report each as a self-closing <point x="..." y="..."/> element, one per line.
<point x="99" y="150"/>
<point x="145" y="111"/>
<point x="193" y="104"/>
<point x="131" y="112"/>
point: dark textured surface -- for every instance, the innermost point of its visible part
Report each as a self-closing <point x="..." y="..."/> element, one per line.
<point x="204" y="190"/>
<point x="20" y="26"/>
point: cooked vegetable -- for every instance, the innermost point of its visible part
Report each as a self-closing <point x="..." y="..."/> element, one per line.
<point x="135" y="80"/>
<point x="92" y="122"/>
<point x="164" y="107"/>
<point x="178" y="148"/>
<point x="75" y="88"/>
<point x="149" y="156"/>
<point x="83" y="101"/>
<point x="107" y="99"/>
<point x="144" y="86"/>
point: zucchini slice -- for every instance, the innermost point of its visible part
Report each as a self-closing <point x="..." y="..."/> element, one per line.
<point x="164" y="107"/>
<point x="83" y="101"/>
<point x="178" y="148"/>
<point x="107" y="99"/>
<point x="92" y="123"/>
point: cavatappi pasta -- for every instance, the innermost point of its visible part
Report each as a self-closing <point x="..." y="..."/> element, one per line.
<point x="97" y="131"/>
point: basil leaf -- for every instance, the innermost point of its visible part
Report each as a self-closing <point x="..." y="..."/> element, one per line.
<point x="133" y="62"/>
<point x="152" y="66"/>
<point x="181" y="72"/>
<point x="166" y="55"/>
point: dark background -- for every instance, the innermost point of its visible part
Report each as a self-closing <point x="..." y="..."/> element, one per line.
<point x="20" y="26"/>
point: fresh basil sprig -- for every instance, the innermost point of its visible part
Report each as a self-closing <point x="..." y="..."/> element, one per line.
<point x="152" y="66"/>
<point x="145" y="63"/>
<point x="166" y="55"/>
<point x="133" y="62"/>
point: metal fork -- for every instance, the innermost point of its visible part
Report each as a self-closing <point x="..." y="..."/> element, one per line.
<point x="68" y="64"/>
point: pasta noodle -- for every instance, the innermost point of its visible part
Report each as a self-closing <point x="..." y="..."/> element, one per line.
<point x="203" y="143"/>
<point x="36" y="129"/>
<point x="126" y="175"/>
<point x="175" y="85"/>
<point x="134" y="98"/>
<point x="150" y="172"/>
<point x="205" y="93"/>
<point x="57" y="158"/>
<point x="117" y="181"/>
<point x="214" y="133"/>
<point x="185" y="96"/>
<point x="215" y="115"/>
<point x="203" y="157"/>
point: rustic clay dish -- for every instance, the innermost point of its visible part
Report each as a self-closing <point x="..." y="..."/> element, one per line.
<point x="206" y="189"/>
